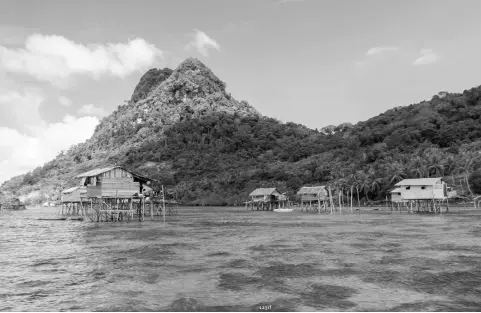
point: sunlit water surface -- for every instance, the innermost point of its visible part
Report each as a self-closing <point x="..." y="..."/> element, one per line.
<point x="229" y="259"/>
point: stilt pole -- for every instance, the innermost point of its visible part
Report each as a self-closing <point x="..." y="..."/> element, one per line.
<point x="163" y="202"/>
<point x="352" y="212"/>
<point x="332" y="202"/>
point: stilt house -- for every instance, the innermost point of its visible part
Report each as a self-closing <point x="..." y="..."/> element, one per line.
<point x="112" y="182"/>
<point x="313" y="193"/>
<point x="423" y="189"/>
<point x="265" y="195"/>
<point x="266" y="199"/>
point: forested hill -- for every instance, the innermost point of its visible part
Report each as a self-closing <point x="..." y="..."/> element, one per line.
<point x="184" y="129"/>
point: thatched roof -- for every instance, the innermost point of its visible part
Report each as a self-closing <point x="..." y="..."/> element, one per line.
<point x="265" y="192"/>
<point x="419" y="181"/>
<point x="312" y="190"/>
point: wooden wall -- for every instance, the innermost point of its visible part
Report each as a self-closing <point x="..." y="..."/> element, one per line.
<point x="313" y="197"/>
<point x="427" y="193"/>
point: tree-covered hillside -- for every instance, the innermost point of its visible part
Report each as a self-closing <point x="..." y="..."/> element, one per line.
<point x="184" y="129"/>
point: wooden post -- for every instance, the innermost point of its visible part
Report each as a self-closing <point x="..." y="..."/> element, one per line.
<point x="387" y="204"/>
<point x="340" y="204"/>
<point x="332" y="202"/>
<point x="151" y="209"/>
<point x="163" y="202"/>
<point x="352" y="212"/>
<point x="131" y="209"/>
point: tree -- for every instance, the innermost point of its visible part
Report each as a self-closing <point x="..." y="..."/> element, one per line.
<point x="475" y="182"/>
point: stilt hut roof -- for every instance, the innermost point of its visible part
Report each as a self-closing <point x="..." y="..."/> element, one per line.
<point x="419" y="181"/>
<point x="69" y="190"/>
<point x="311" y="190"/>
<point x="264" y="192"/>
<point x="99" y="171"/>
<point x="96" y="171"/>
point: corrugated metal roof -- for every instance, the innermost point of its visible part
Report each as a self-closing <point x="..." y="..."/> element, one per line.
<point x="310" y="190"/>
<point x="99" y="171"/>
<point x="418" y="181"/>
<point x="69" y="190"/>
<point x="264" y="191"/>
<point x="96" y="171"/>
<point x="396" y="190"/>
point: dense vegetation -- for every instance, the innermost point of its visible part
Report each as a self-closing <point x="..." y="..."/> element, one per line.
<point x="216" y="149"/>
<point x="223" y="157"/>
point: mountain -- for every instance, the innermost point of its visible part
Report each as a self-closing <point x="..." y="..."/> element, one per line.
<point x="182" y="128"/>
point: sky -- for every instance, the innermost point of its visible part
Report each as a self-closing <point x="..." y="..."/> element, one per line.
<point x="66" y="64"/>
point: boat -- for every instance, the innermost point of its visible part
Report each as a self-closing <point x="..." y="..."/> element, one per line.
<point x="283" y="210"/>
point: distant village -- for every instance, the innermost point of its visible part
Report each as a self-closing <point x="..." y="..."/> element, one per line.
<point x="112" y="193"/>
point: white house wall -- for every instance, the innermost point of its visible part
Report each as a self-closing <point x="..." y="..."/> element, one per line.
<point x="417" y="193"/>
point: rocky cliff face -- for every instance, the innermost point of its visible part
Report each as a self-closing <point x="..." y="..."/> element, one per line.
<point x="191" y="91"/>
<point x="149" y="81"/>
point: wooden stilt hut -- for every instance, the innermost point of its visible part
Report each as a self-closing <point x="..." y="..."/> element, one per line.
<point x="426" y="194"/>
<point x="115" y="193"/>
<point x="266" y="199"/>
<point x="315" y="198"/>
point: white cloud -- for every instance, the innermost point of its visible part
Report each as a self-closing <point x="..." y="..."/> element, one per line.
<point x="23" y="107"/>
<point x="427" y="57"/>
<point x="20" y="153"/>
<point x="90" y="109"/>
<point x="55" y="58"/>
<point x="381" y="50"/>
<point x="203" y="43"/>
<point x="66" y="102"/>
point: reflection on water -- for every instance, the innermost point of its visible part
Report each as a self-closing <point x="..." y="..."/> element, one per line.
<point x="228" y="259"/>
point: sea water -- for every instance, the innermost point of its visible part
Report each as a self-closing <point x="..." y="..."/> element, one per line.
<point x="230" y="259"/>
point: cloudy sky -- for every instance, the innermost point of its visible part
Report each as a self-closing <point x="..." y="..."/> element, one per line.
<point x="65" y="64"/>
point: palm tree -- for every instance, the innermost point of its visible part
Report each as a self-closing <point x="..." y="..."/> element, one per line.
<point x="466" y="165"/>
<point x="450" y="167"/>
<point x="366" y="185"/>
<point x="375" y="184"/>
<point x="435" y="166"/>
<point x="359" y="179"/>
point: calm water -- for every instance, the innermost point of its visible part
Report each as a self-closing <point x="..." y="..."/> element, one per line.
<point x="212" y="259"/>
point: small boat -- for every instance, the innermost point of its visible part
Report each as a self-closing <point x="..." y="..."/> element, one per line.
<point x="283" y="210"/>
